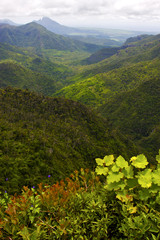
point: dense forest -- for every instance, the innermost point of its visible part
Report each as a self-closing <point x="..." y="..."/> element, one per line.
<point x="43" y="136"/>
<point x="75" y="119"/>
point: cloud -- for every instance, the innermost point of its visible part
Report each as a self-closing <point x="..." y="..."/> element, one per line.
<point x="139" y="8"/>
<point x="106" y="10"/>
<point x="94" y="7"/>
<point x="83" y="7"/>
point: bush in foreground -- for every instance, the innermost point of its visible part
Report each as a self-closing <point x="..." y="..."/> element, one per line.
<point x="125" y="204"/>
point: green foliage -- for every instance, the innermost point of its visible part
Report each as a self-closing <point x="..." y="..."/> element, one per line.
<point x="136" y="114"/>
<point x="23" y="68"/>
<point x="125" y="89"/>
<point x="136" y="39"/>
<point x="121" y="176"/>
<point x="70" y="209"/>
<point x="45" y="139"/>
<point x="4" y="199"/>
<point x="101" y="55"/>
<point x="42" y="136"/>
<point x="140" y="161"/>
<point x="137" y="188"/>
<point x="96" y="89"/>
<point x="35" y="35"/>
<point x="82" y="207"/>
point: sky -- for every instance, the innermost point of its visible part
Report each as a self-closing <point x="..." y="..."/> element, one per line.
<point x="116" y="14"/>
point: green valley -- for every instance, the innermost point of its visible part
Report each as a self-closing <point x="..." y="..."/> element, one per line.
<point x="44" y="72"/>
<point x="104" y="80"/>
<point x="125" y="89"/>
<point x="66" y="106"/>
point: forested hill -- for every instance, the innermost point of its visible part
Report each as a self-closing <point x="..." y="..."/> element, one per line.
<point x="105" y="53"/>
<point x="41" y="136"/>
<point x="35" y="35"/>
<point x="137" y="114"/>
<point x="125" y="89"/>
<point x="23" y="68"/>
<point x="125" y="70"/>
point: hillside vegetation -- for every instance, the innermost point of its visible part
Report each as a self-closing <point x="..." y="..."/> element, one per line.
<point x="43" y="136"/>
<point x="125" y="89"/>
<point x="23" y="68"/>
<point x="35" y="35"/>
<point x="136" y="113"/>
<point x="110" y="85"/>
<point x="125" y="205"/>
<point x="62" y="109"/>
<point x="126" y="69"/>
<point x="96" y="90"/>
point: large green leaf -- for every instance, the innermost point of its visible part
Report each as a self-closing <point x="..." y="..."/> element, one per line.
<point x="128" y="172"/>
<point x="156" y="176"/>
<point x="115" y="186"/>
<point x="108" y="160"/>
<point x="101" y="170"/>
<point x="121" y="162"/>
<point x="114" y="177"/>
<point x="99" y="161"/>
<point x="139" y="162"/>
<point x="115" y="168"/>
<point x="145" y="178"/>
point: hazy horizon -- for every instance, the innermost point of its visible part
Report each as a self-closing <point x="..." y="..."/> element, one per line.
<point x="137" y="15"/>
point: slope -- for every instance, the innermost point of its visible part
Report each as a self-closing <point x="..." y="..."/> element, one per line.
<point x="98" y="36"/>
<point x="101" y="55"/>
<point x="137" y="114"/>
<point x="21" y="67"/>
<point x="96" y="90"/>
<point x="15" y="75"/>
<point x="128" y="68"/>
<point x="125" y="89"/>
<point x="105" y="53"/>
<point x="55" y="27"/>
<point x="35" y="35"/>
<point x="41" y="136"/>
<point x="7" y="21"/>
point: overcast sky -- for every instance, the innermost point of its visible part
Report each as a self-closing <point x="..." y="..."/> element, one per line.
<point x="117" y="14"/>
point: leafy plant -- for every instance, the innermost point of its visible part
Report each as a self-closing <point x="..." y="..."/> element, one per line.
<point x="137" y="188"/>
<point x="70" y="209"/>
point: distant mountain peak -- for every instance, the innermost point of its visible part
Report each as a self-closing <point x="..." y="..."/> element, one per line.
<point x="35" y="35"/>
<point x="7" y="21"/>
<point x="46" y="20"/>
<point x="55" y="27"/>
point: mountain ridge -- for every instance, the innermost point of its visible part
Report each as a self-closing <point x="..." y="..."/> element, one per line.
<point x="102" y="85"/>
<point x="23" y="68"/>
<point x="56" y="27"/>
<point x="9" y="22"/>
<point x="98" y="36"/>
<point x="125" y="89"/>
<point x="35" y="35"/>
